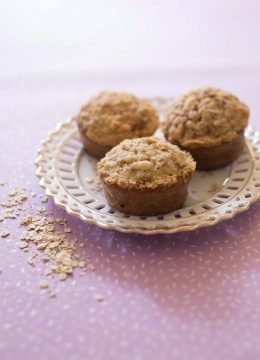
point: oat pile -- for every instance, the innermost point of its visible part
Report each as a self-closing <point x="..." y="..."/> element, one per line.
<point x="44" y="237"/>
<point x="58" y="251"/>
<point x="2" y="182"/>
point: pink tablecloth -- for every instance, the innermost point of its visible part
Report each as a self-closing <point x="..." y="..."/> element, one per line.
<point x="185" y="296"/>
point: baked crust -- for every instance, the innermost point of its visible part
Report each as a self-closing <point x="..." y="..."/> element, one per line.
<point x="205" y="118"/>
<point x="146" y="176"/>
<point x="145" y="163"/>
<point x="111" y="117"/>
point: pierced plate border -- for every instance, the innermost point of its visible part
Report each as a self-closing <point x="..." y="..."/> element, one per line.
<point x="57" y="170"/>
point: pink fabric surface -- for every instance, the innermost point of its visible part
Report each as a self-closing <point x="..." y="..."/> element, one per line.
<point x="184" y="296"/>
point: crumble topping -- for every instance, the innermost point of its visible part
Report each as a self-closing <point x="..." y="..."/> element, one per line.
<point x="111" y="117"/>
<point x="145" y="163"/>
<point x="205" y="117"/>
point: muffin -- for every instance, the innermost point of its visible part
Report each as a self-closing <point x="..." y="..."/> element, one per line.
<point x="146" y="176"/>
<point x="110" y="117"/>
<point x="209" y="123"/>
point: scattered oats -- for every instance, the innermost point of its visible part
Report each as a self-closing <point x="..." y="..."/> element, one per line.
<point x="45" y="259"/>
<point x="52" y="295"/>
<point x="62" y="276"/>
<point x="50" y="228"/>
<point x="44" y="199"/>
<point x="44" y="284"/>
<point x="57" y="249"/>
<point x="60" y="221"/>
<point x="27" y="220"/>
<point x="38" y="238"/>
<point x="30" y="261"/>
<point x="75" y="263"/>
<point x="41" y="246"/>
<point x="9" y="214"/>
<point x="16" y="197"/>
<point x="99" y="298"/>
<point x="48" y="272"/>
<point x="47" y="234"/>
<point x="25" y="237"/>
<point x="91" y="267"/>
<point x="53" y="245"/>
<point x="4" y="233"/>
<point x="89" y="180"/>
<point x="23" y="245"/>
<point x="2" y="182"/>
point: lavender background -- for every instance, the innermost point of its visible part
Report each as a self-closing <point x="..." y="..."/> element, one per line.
<point x="190" y="295"/>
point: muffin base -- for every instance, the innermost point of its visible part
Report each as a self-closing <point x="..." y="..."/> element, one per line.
<point x="215" y="157"/>
<point x="93" y="148"/>
<point x="146" y="202"/>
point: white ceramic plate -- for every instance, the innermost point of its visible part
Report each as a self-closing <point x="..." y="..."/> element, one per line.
<point x="68" y="174"/>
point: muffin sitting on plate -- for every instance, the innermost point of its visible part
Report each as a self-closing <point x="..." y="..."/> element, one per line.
<point x="210" y="124"/>
<point x="110" y="117"/>
<point x="146" y="176"/>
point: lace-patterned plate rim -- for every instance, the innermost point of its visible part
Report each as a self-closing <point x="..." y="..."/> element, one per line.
<point x="59" y="173"/>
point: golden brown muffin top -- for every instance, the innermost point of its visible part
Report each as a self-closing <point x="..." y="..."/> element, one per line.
<point x="205" y="117"/>
<point x="111" y="117"/>
<point x="145" y="163"/>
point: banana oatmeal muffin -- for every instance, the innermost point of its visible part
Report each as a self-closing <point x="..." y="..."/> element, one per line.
<point x="209" y="123"/>
<point x="146" y="176"/>
<point x="110" y="117"/>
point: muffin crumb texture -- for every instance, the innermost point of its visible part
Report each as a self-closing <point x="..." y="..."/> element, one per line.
<point x="111" y="117"/>
<point x="145" y="163"/>
<point x="205" y="117"/>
